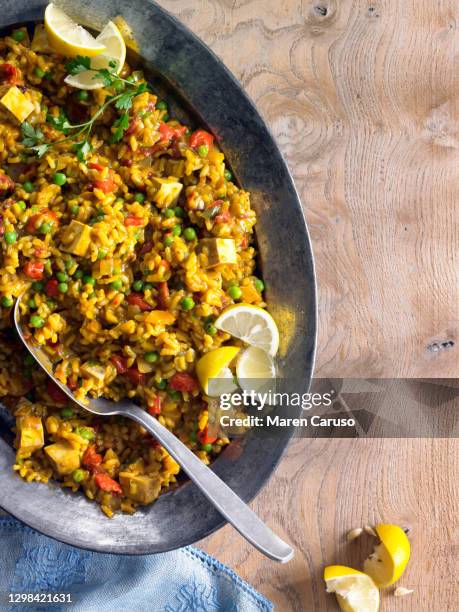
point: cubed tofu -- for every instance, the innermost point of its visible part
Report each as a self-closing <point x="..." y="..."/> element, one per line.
<point x="218" y="251"/>
<point x="94" y="370"/>
<point x="168" y="191"/>
<point x="40" y="42"/>
<point x="76" y="238"/>
<point x="141" y="489"/>
<point x="31" y="436"/>
<point x="64" y="458"/>
<point x="17" y="103"/>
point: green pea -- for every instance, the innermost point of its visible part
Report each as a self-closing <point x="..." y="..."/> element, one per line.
<point x="166" y="117"/>
<point x="89" y="280"/>
<point x="179" y="212"/>
<point x="39" y="72"/>
<point x="85" y="433"/>
<point x="66" y="413"/>
<point x="102" y="254"/>
<point x="21" y="204"/>
<point x="190" y="234"/>
<point x="82" y="95"/>
<point x="148" y="287"/>
<point x="203" y="150"/>
<point x="116" y="284"/>
<point x="235" y="292"/>
<point x="78" y="475"/>
<point x="29" y="360"/>
<point x="62" y="277"/>
<point x="74" y="210"/>
<point x="59" y="179"/>
<point x="168" y="241"/>
<point x="137" y="285"/>
<point x="206" y="447"/>
<point x="169" y="213"/>
<point x="69" y="263"/>
<point x="161" y="384"/>
<point x="174" y="395"/>
<point x="176" y="230"/>
<point x="31" y="304"/>
<point x="161" y="105"/>
<point x="18" y="35"/>
<point x="78" y="274"/>
<point x="46" y="228"/>
<point x="139" y="197"/>
<point x="187" y="303"/>
<point x="7" y="302"/>
<point x="36" y="321"/>
<point x="37" y="286"/>
<point x="211" y="329"/>
<point x="28" y="186"/>
<point x="228" y="175"/>
<point x="10" y="237"/>
<point x="151" y="356"/>
<point x="259" y="285"/>
<point x="63" y="287"/>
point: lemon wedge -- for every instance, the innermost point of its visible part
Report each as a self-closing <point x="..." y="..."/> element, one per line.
<point x="67" y="37"/>
<point x="255" y="369"/>
<point x="252" y="325"/>
<point x="115" y="51"/>
<point x="214" y="365"/>
<point x="354" y="590"/>
<point x="388" y="560"/>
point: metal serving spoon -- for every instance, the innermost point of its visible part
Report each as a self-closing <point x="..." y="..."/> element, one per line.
<point x="217" y="492"/>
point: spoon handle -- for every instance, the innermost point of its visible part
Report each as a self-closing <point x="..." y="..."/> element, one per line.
<point x="217" y="492"/>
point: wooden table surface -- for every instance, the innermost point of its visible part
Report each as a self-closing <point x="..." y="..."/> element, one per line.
<point x="362" y="100"/>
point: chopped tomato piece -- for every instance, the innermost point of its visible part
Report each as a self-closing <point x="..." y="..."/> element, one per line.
<point x="56" y="393"/>
<point x="183" y="382"/>
<point x="169" y="132"/>
<point x="107" y="484"/>
<point x="163" y="295"/>
<point x="155" y="408"/>
<point x="204" y="438"/>
<point x="9" y="74"/>
<point x="120" y="363"/>
<point x="51" y="289"/>
<point x="132" y="220"/>
<point x="136" y="299"/>
<point x="95" y="166"/>
<point x="6" y="185"/>
<point x="92" y="459"/>
<point x="43" y="216"/>
<point x="134" y="376"/>
<point x="34" y="269"/>
<point x="201" y="137"/>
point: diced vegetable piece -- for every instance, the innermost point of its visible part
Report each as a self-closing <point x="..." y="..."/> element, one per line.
<point x="219" y="251"/>
<point x="250" y="295"/>
<point x="171" y="465"/>
<point x="40" y="43"/>
<point x="64" y="458"/>
<point x="17" y="103"/>
<point x="31" y="436"/>
<point x="107" y="484"/>
<point x="168" y="191"/>
<point x="76" y="238"/>
<point x="93" y="370"/>
<point x="141" y="489"/>
<point x="182" y="381"/>
<point x="160" y="316"/>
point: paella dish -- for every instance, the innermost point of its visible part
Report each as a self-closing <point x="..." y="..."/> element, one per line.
<point x="130" y="245"/>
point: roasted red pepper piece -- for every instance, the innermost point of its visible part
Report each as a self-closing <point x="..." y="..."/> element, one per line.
<point x="107" y="484"/>
<point x="169" y="132"/>
<point x="6" y="185"/>
<point x="34" y="269"/>
<point x="181" y="381"/>
<point x="51" y="289"/>
<point x="201" y="137"/>
<point x="120" y="363"/>
<point x="56" y="393"/>
<point x="132" y="220"/>
<point x="155" y="407"/>
<point x="136" y="299"/>
<point x="204" y="438"/>
<point x="91" y="459"/>
<point x="134" y="376"/>
<point x="163" y="295"/>
<point x="9" y="74"/>
<point x="95" y="166"/>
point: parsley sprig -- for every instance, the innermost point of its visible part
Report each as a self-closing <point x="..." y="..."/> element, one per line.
<point x="125" y="91"/>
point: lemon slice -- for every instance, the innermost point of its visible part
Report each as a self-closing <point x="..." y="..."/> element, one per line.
<point x="115" y="50"/>
<point x="354" y="590"/>
<point x="255" y="370"/>
<point x="213" y="365"/>
<point x="388" y="560"/>
<point x="252" y="325"/>
<point x="67" y="37"/>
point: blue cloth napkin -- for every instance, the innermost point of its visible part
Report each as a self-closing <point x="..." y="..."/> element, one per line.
<point x="180" y="581"/>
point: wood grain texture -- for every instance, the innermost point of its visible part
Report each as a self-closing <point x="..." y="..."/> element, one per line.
<point x="324" y="488"/>
<point x="362" y="99"/>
